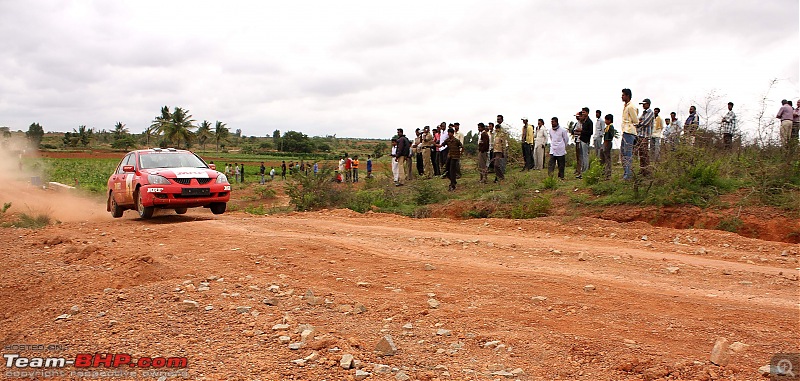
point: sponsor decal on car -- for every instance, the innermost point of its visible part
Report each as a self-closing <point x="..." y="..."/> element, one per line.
<point x="155" y="190"/>
<point x="190" y="173"/>
<point x="227" y="188"/>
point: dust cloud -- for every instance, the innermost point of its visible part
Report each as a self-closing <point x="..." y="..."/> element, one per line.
<point x="17" y="187"/>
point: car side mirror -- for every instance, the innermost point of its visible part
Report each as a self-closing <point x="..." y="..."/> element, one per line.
<point x="213" y="166"/>
<point x="127" y="168"/>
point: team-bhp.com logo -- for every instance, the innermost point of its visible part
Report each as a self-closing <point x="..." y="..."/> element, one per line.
<point x="785" y="367"/>
<point x="95" y="360"/>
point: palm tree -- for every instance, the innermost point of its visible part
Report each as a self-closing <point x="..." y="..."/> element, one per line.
<point x="160" y="124"/>
<point x="120" y="130"/>
<point x="180" y="127"/>
<point x="203" y="133"/>
<point x="221" y="133"/>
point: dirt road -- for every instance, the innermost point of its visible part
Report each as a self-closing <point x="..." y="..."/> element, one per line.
<point x="545" y="299"/>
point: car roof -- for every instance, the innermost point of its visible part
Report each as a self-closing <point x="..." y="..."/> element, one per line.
<point x="160" y="150"/>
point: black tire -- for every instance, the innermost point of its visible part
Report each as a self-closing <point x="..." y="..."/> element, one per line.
<point x="181" y="210"/>
<point x="145" y="212"/>
<point x="218" y="207"/>
<point x="115" y="210"/>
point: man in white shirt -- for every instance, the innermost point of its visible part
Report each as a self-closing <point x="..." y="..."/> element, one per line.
<point x="540" y="145"/>
<point x="443" y="135"/>
<point x="599" y="128"/>
<point x="559" y="138"/>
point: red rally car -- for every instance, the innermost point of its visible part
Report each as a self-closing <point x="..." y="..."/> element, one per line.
<point x="168" y="179"/>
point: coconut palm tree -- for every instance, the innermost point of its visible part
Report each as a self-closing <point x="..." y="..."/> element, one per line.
<point x="221" y="133"/>
<point x="180" y="128"/>
<point x="204" y="133"/>
<point x="120" y="130"/>
<point x="159" y="124"/>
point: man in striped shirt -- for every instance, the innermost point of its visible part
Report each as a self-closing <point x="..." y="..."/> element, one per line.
<point x="728" y="127"/>
<point x="644" y="131"/>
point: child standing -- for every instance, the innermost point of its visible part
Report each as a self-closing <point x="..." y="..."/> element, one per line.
<point x="608" y="139"/>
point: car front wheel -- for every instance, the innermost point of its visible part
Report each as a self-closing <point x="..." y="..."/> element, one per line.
<point x="115" y="210"/>
<point x="145" y="212"/>
<point x="218" y="207"/>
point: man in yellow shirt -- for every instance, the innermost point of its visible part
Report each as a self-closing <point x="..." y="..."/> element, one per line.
<point x="655" y="139"/>
<point x="527" y="144"/>
<point x="630" y="117"/>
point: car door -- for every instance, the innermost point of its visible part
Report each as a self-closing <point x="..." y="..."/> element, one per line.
<point x="128" y="185"/>
<point x="117" y="181"/>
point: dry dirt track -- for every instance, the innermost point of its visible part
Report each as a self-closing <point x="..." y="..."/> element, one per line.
<point x="372" y="274"/>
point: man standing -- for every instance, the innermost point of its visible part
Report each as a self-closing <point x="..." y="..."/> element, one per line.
<point x="691" y="125"/>
<point x="587" y="130"/>
<point x="442" y="148"/>
<point x="435" y="151"/>
<point x="786" y="116"/>
<point x="728" y="127"/>
<point x="454" y="148"/>
<point x="675" y="129"/>
<point x="577" y="128"/>
<point x="483" y="152"/>
<point x="629" y="120"/>
<point x="655" y="139"/>
<point x="599" y="128"/>
<point x="644" y="131"/>
<point x="354" y="165"/>
<point x="608" y="140"/>
<point x="559" y="138"/>
<point x="505" y="129"/>
<point x="491" y="145"/>
<point x="417" y="148"/>
<point x="795" y="135"/>
<point x="348" y="169"/>
<point x="540" y="145"/>
<point x="527" y="144"/>
<point x="263" y="171"/>
<point x="403" y="150"/>
<point x="283" y="170"/>
<point x="369" y="166"/>
<point x="499" y="151"/>
<point x="460" y="137"/>
<point x="426" y="143"/>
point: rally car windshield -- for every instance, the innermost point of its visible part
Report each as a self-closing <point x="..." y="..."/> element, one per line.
<point x="170" y="160"/>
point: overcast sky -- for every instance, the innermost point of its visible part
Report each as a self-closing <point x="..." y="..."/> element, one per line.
<point x="365" y="68"/>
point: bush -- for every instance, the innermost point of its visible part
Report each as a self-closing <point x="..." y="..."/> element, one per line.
<point x="313" y="191"/>
<point x="426" y="192"/>
<point x="594" y="174"/>
<point x="550" y="182"/>
<point x="266" y="193"/>
<point x="536" y="207"/>
<point x="29" y="221"/>
<point x="363" y="200"/>
<point x="731" y="224"/>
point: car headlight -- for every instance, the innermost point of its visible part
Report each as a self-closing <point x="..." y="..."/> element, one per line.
<point x="222" y="179"/>
<point x="157" y="179"/>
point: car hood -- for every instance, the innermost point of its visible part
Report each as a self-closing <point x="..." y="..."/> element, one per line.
<point x="183" y="173"/>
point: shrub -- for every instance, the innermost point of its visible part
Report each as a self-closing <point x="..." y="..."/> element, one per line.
<point x="426" y="192"/>
<point x="550" y="182"/>
<point x="536" y="207"/>
<point x="363" y="200"/>
<point x="594" y="174"/>
<point x="313" y="192"/>
<point x="731" y="224"/>
<point x="30" y="221"/>
<point x="266" y="193"/>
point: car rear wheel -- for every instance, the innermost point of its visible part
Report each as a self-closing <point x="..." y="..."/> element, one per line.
<point x="218" y="207"/>
<point x="115" y="210"/>
<point x="181" y="210"/>
<point x="145" y="212"/>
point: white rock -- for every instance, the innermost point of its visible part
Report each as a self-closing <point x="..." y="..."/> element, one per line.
<point x="719" y="354"/>
<point x="347" y="361"/>
<point x="589" y="287"/>
<point x="491" y="344"/>
<point x="385" y="346"/>
<point x="673" y="269"/>
<point x="433" y="303"/>
<point x="360" y="374"/>
<point x="190" y="305"/>
<point x="443" y="332"/>
<point x="401" y="376"/>
<point x="280" y="327"/>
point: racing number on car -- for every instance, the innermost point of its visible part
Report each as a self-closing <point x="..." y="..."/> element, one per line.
<point x="129" y="186"/>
